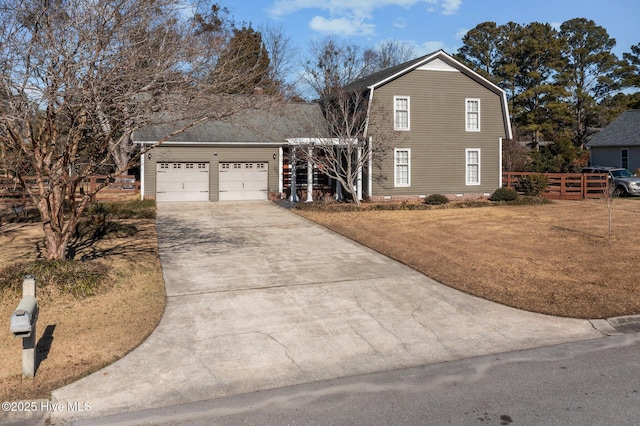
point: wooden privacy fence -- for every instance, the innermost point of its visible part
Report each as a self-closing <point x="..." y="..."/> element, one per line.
<point x="117" y="188"/>
<point x="565" y="186"/>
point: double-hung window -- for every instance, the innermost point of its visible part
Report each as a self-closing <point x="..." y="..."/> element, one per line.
<point x="472" y="115"/>
<point x="473" y="166"/>
<point x="624" y="158"/>
<point x="402" y="167"/>
<point x="401" y="116"/>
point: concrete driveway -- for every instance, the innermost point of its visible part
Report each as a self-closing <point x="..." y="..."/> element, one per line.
<point x="260" y="298"/>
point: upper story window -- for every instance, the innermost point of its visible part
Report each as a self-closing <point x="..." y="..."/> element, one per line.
<point x="472" y="114"/>
<point x="401" y="116"/>
<point x="402" y="167"/>
<point x="473" y="166"/>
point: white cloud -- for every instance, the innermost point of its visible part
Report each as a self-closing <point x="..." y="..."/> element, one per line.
<point x="451" y="7"/>
<point x="435" y="45"/>
<point x="399" y="23"/>
<point x="350" y="17"/>
<point x="342" y="26"/>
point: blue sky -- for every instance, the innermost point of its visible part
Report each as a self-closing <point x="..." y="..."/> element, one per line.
<point x="428" y="25"/>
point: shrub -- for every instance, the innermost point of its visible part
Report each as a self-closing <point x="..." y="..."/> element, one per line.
<point x="530" y="201"/>
<point x="436" y="200"/>
<point x="55" y="277"/>
<point x="504" y="194"/>
<point x="533" y="185"/>
<point x="134" y="209"/>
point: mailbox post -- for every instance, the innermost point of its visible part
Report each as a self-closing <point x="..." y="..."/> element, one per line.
<point x="23" y="324"/>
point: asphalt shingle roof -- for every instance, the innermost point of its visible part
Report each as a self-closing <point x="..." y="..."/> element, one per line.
<point x="624" y="131"/>
<point x="379" y="76"/>
<point x="258" y="126"/>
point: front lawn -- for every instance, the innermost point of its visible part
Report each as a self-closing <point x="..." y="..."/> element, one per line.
<point x="82" y="325"/>
<point x="555" y="259"/>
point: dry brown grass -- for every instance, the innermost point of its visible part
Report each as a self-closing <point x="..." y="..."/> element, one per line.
<point x="78" y="337"/>
<point x="555" y="259"/>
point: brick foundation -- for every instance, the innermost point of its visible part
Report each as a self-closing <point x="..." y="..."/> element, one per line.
<point x="415" y="198"/>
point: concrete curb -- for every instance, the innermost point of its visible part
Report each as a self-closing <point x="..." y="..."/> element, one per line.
<point x="626" y="324"/>
<point x="617" y="325"/>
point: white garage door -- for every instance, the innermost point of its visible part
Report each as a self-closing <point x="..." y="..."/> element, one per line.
<point x="182" y="182"/>
<point x="243" y="181"/>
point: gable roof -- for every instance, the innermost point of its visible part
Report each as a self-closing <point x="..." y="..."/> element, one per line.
<point x="623" y="131"/>
<point x="380" y="78"/>
<point x="254" y="126"/>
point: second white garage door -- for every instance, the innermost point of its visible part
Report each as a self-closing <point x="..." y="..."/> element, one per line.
<point x="243" y="181"/>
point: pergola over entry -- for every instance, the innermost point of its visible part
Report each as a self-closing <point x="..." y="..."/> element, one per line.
<point x="307" y="150"/>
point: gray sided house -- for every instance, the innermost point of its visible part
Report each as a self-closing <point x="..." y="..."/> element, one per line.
<point x="439" y="124"/>
<point x="618" y="144"/>
<point x="448" y="127"/>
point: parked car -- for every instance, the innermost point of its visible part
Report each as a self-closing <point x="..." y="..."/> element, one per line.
<point x="625" y="182"/>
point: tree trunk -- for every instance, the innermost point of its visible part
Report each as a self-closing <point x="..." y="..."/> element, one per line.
<point x="57" y="243"/>
<point x="120" y="151"/>
<point x="59" y="226"/>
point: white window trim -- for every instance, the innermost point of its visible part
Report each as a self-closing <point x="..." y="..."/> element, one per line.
<point x="395" y="123"/>
<point x="468" y="181"/>
<point x="395" y="168"/>
<point x="466" y="114"/>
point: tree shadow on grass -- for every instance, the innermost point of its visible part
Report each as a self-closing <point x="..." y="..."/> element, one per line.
<point x="118" y="240"/>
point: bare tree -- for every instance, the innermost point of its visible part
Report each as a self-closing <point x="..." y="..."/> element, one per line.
<point x="349" y="146"/>
<point x="514" y="156"/>
<point x="386" y="55"/>
<point x="282" y="53"/>
<point x="610" y="194"/>
<point x="331" y="64"/>
<point x="80" y="76"/>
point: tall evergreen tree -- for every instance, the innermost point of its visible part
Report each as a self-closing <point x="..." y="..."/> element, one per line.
<point x="537" y="106"/>
<point x="591" y="73"/>
<point x="632" y="77"/>
<point x="244" y="65"/>
<point x="481" y="49"/>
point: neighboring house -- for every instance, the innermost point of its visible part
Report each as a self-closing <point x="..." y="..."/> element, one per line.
<point x="618" y="144"/>
<point x="444" y="129"/>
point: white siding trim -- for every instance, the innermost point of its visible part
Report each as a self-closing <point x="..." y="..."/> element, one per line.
<point x="280" y="171"/>
<point x="500" y="162"/>
<point x="142" y="173"/>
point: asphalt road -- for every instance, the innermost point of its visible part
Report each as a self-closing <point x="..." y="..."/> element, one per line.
<point x="592" y="382"/>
